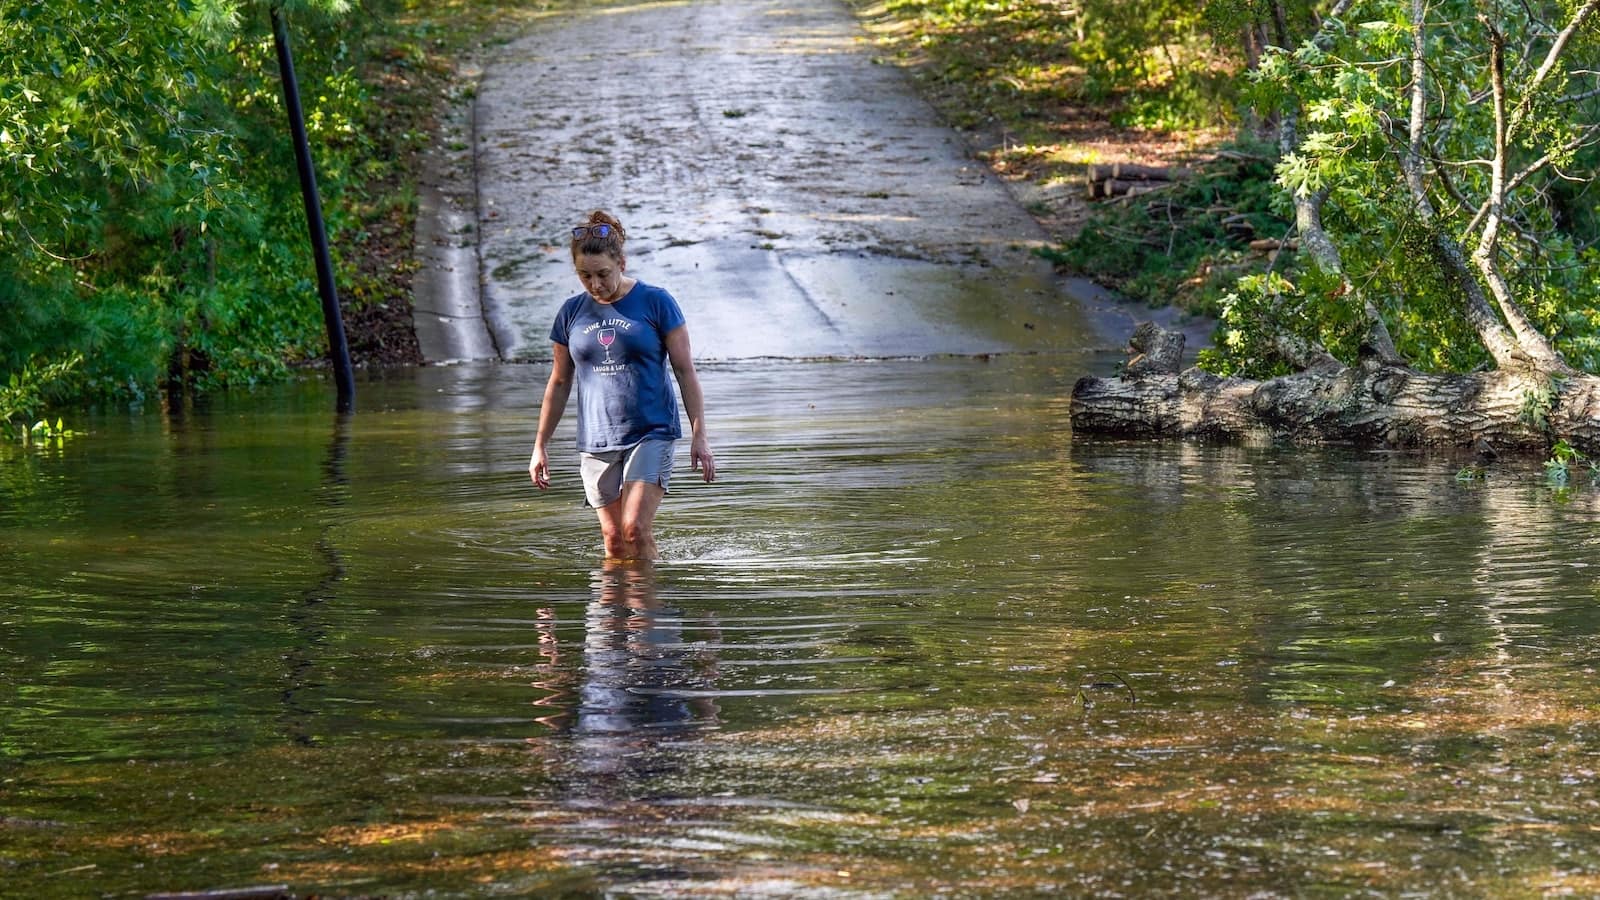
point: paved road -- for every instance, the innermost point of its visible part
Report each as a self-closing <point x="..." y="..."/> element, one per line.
<point x="790" y="190"/>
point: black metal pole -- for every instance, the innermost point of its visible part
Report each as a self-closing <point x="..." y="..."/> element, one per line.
<point x="338" y="350"/>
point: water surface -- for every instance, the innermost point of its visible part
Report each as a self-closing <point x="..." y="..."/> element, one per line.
<point x="916" y="640"/>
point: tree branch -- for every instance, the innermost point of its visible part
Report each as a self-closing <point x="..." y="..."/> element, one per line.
<point x="1495" y="202"/>
<point x="1575" y="144"/>
<point x="1578" y="98"/>
<point x="1516" y="181"/>
<point x="1419" y="100"/>
<point x="1495" y="337"/>
<point x="1559" y="46"/>
<point x="1304" y="354"/>
<point x="1314" y="238"/>
<point x="1339" y="9"/>
<point x="1532" y="341"/>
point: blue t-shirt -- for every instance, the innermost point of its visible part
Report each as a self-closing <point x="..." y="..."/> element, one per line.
<point x="620" y="353"/>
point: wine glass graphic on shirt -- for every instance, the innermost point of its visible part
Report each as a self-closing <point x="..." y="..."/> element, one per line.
<point x="608" y="336"/>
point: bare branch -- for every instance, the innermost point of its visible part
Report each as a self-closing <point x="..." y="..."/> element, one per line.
<point x="1588" y="136"/>
<point x="47" y="251"/>
<point x="1578" y="98"/>
<point x="1559" y="46"/>
<point x="1583" y="139"/>
<point x="1497" y="169"/>
<point x="1304" y="354"/>
<point x="1533" y="16"/>
<point x="1538" y="29"/>
<point x="1463" y="202"/>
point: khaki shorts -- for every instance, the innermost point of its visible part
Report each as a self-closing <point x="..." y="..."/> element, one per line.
<point x="604" y="473"/>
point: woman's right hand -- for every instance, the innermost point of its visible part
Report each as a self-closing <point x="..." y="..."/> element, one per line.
<point x="539" y="468"/>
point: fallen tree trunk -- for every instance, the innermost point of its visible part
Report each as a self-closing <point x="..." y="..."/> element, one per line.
<point x="1370" y="404"/>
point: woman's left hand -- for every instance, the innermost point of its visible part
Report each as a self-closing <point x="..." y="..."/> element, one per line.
<point x="700" y="458"/>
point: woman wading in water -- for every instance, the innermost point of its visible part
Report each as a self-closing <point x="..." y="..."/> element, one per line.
<point x="617" y="340"/>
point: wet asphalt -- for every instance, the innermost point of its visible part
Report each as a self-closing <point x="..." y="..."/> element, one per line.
<point x="774" y="172"/>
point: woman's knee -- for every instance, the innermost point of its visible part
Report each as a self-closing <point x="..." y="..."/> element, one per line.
<point x="634" y="531"/>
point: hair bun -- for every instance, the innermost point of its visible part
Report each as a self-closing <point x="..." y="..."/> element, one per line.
<point x="585" y="241"/>
<point x="601" y="217"/>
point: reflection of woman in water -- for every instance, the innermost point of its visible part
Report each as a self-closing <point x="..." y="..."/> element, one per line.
<point x="617" y="340"/>
<point x="640" y="680"/>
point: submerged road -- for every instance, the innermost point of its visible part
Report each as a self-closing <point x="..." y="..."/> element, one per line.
<point x="773" y="173"/>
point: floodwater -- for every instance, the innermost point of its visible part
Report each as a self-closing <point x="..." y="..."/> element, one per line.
<point x="917" y="640"/>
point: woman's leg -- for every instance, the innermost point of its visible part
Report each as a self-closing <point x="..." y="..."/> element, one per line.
<point x="640" y="500"/>
<point x="627" y="524"/>
<point x="611" y="531"/>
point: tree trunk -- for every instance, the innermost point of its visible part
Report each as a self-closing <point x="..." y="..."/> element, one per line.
<point x="1372" y="404"/>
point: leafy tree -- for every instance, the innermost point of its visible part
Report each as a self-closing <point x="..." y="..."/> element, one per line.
<point x="157" y="230"/>
<point x="1436" y="163"/>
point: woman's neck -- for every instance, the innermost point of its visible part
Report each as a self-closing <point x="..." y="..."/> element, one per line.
<point x="623" y="287"/>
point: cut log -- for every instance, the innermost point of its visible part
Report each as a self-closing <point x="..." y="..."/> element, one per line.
<point x="1267" y="245"/>
<point x="1119" y="179"/>
<point x="1117" y="189"/>
<point x="1136" y="172"/>
<point x="1370" y="404"/>
<point x="1239" y="227"/>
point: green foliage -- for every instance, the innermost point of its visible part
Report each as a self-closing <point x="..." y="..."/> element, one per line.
<point x="95" y="100"/>
<point x="1352" y="95"/>
<point x="1152" y="63"/>
<point x="1260" y="308"/>
<point x="47" y="436"/>
<point x="1157" y="58"/>
<point x="1558" y="468"/>
<point x="26" y="393"/>
<point x="988" y="60"/>
<point x="1537" y="404"/>
<point x="1187" y="244"/>
<point x="163" y="238"/>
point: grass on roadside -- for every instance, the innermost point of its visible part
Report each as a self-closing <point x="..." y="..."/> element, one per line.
<point x="1028" y="83"/>
<point x="413" y="74"/>
<point x="1185" y="245"/>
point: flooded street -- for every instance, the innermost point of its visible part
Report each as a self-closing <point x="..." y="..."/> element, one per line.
<point x="773" y="172"/>
<point x="916" y="640"/>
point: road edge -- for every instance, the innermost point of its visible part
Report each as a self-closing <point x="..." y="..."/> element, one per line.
<point x="447" y="308"/>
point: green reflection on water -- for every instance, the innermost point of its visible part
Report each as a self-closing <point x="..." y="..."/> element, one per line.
<point x="915" y="639"/>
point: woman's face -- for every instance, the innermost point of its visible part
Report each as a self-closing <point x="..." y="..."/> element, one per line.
<point x="601" y="275"/>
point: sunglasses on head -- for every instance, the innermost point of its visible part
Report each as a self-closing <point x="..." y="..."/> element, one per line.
<point x="583" y="231"/>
